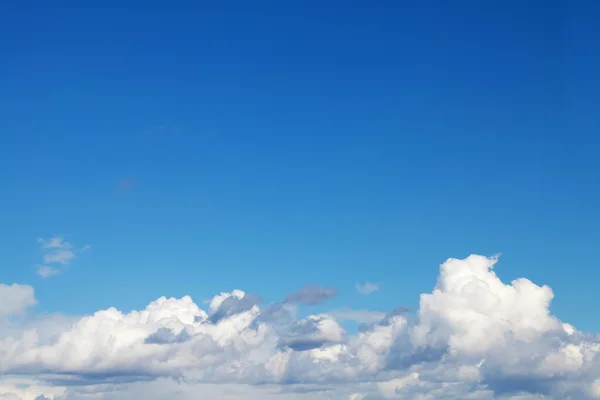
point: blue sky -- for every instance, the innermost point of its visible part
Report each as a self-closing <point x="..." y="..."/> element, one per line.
<point x="208" y="146"/>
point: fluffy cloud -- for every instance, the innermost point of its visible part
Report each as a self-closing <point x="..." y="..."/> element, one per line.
<point x="58" y="254"/>
<point x="473" y="337"/>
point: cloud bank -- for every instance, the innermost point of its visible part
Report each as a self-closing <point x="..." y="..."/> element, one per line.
<point x="473" y="337"/>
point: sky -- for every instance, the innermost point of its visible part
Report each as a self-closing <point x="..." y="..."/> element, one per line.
<point x="299" y="194"/>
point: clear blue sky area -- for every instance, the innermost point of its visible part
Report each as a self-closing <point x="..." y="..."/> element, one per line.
<point x="204" y="146"/>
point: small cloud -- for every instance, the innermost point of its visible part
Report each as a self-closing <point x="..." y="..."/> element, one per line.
<point x="57" y="250"/>
<point x="58" y="254"/>
<point x="55" y="242"/>
<point x="46" y="271"/>
<point x="63" y="257"/>
<point x="367" y="288"/>
<point x="311" y="295"/>
<point x="125" y="185"/>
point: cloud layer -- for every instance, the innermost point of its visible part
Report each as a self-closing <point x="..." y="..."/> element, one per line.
<point x="473" y="337"/>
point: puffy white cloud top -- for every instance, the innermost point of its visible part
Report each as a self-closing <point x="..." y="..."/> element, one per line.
<point x="473" y="337"/>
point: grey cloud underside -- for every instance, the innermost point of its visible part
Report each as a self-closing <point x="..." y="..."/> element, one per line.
<point x="386" y="319"/>
<point x="167" y="336"/>
<point x="233" y="305"/>
<point x="302" y="336"/>
<point x="311" y="295"/>
<point x="472" y="337"/>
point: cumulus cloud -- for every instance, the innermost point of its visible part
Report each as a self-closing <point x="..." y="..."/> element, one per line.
<point x="367" y="288"/>
<point x="58" y="254"/>
<point x="472" y="337"/>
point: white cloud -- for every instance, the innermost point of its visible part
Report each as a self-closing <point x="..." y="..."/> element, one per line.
<point x="58" y="254"/>
<point x="55" y="242"/>
<point x="473" y="337"/>
<point x="14" y="299"/>
<point x="469" y="290"/>
<point x="367" y="288"/>
<point x="46" y="271"/>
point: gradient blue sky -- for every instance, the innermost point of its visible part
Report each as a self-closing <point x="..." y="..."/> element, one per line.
<point x="261" y="145"/>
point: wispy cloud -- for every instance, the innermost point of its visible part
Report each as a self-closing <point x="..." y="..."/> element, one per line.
<point x="367" y="288"/>
<point x="46" y="271"/>
<point x="58" y="254"/>
<point x="311" y="295"/>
